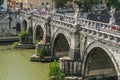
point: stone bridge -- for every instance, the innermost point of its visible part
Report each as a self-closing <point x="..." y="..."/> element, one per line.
<point x="83" y="49"/>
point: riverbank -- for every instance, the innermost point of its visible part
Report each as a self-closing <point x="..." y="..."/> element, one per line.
<point x="15" y="65"/>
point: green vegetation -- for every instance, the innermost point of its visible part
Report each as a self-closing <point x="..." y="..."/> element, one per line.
<point x="1" y="2"/>
<point x="114" y="3"/>
<point x="87" y="4"/>
<point x="15" y="44"/>
<point x="79" y="3"/>
<point x="54" y="70"/>
<point x="36" y="41"/>
<point x="60" y="3"/>
<point x="41" y="52"/>
<point x="22" y="34"/>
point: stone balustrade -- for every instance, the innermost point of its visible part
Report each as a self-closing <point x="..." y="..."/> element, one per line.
<point x="93" y="24"/>
<point x="100" y="34"/>
<point x="39" y="17"/>
<point x="71" y="20"/>
<point x="25" y="13"/>
<point x="63" y="25"/>
<point x="28" y="14"/>
<point x="66" y="18"/>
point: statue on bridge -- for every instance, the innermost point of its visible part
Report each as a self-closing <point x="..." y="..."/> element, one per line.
<point x="76" y="13"/>
<point x="112" y="19"/>
<point x="76" y="16"/>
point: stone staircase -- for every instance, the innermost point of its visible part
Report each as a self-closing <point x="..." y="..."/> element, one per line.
<point x="36" y="58"/>
<point x="73" y="78"/>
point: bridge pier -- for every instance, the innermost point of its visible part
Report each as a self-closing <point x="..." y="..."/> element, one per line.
<point x="75" y="54"/>
<point x="70" y="66"/>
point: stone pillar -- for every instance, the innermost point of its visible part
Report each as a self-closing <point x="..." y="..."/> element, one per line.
<point x="75" y="46"/>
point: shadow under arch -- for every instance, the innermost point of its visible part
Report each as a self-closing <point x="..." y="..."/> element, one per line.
<point x="98" y="64"/>
<point x="61" y="46"/>
<point x="39" y="33"/>
<point x="24" y="27"/>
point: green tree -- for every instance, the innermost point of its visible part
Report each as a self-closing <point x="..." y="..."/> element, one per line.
<point x="88" y="4"/>
<point x="114" y="3"/>
<point x="79" y="3"/>
<point x="1" y="2"/>
<point x="60" y="3"/>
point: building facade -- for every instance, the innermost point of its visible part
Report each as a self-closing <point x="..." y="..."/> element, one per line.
<point x="15" y="4"/>
<point x="37" y="3"/>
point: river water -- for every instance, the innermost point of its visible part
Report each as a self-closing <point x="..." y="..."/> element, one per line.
<point x="15" y="65"/>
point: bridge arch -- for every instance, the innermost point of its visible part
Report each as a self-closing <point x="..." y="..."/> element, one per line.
<point x="39" y="32"/>
<point x="99" y="61"/>
<point x="60" y="45"/>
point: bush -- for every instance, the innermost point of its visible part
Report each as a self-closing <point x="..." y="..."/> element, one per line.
<point x="15" y="44"/>
<point x="22" y="34"/>
<point x="41" y="52"/>
<point x="36" y="41"/>
<point x="54" y="70"/>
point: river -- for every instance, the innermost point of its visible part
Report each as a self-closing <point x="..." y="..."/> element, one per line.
<point x="15" y="65"/>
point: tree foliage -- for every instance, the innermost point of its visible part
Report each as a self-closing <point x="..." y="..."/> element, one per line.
<point x="41" y="52"/>
<point x="87" y="4"/>
<point x="114" y="3"/>
<point x="1" y="2"/>
<point x="60" y="3"/>
<point x="54" y="70"/>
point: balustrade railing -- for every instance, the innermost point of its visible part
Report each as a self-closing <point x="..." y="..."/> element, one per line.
<point x="100" y="34"/>
<point x="32" y="13"/>
<point x="99" y="25"/>
<point x="62" y="17"/>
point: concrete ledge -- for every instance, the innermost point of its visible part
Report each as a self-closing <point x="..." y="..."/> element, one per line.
<point x="73" y="78"/>
<point x="26" y="46"/>
<point x="35" y="57"/>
